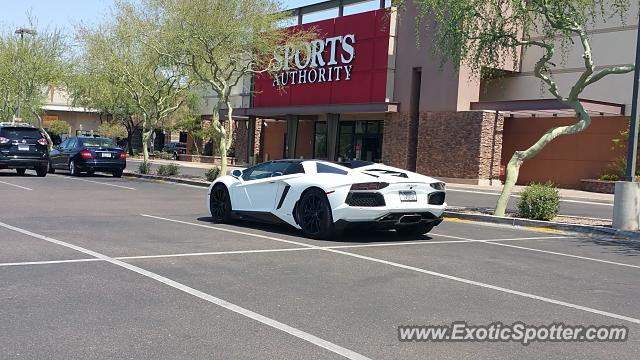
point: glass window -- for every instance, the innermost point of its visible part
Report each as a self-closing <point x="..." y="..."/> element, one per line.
<point x="328" y="169"/>
<point x="18" y="133"/>
<point x="97" y="142"/>
<point x="320" y="141"/>
<point x="294" y="168"/>
<point x="73" y="143"/>
<point x="267" y="170"/>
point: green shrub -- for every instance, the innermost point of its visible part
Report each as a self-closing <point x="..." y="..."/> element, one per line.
<point x="539" y="202"/>
<point x="168" y="170"/>
<point x="144" y="168"/>
<point x="212" y="173"/>
<point x="609" y="177"/>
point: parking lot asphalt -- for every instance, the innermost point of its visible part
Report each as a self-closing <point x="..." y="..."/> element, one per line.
<point x="105" y="268"/>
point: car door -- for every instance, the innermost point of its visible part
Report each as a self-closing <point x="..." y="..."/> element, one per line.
<point x="56" y="153"/>
<point x="68" y="152"/>
<point x="258" y="189"/>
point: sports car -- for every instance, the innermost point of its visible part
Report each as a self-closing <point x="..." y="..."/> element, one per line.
<point x="322" y="198"/>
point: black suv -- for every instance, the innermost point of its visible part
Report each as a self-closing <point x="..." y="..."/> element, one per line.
<point x="23" y="147"/>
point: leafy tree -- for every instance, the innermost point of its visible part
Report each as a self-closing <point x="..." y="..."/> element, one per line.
<point x="117" y="52"/>
<point x="28" y="65"/>
<point x="484" y="34"/>
<point x="112" y="129"/>
<point x="221" y="43"/>
<point x="103" y="93"/>
<point x="59" y="127"/>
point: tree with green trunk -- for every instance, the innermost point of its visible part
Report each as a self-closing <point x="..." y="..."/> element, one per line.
<point x="222" y="44"/>
<point x="29" y="64"/>
<point x="488" y="34"/>
<point x="104" y="94"/>
<point x="118" y="52"/>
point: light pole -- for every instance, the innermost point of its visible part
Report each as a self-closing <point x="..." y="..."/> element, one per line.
<point x="626" y="202"/>
<point x="22" y="32"/>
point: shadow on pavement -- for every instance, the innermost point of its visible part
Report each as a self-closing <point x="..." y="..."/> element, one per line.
<point x="352" y="236"/>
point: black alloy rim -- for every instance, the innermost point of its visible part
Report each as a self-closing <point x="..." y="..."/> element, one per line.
<point x="313" y="213"/>
<point x="219" y="205"/>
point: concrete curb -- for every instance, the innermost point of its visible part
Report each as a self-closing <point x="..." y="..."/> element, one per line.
<point x="544" y="225"/>
<point x="178" y="180"/>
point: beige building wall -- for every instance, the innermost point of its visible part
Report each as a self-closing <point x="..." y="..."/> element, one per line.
<point x="613" y="43"/>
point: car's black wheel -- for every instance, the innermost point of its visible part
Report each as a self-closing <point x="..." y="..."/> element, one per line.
<point x="21" y="171"/>
<point x="51" y="168"/>
<point x="175" y="156"/>
<point x="417" y="229"/>
<point x="117" y="173"/>
<point x="220" y="204"/>
<point x="315" y="216"/>
<point x="73" y="170"/>
<point x="42" y="171"/>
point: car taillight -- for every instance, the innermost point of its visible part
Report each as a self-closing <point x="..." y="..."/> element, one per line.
<point x="4" y="140"/>
<point x="369" y="186"/>
<point x="42" y="141"/>
<point x="86" y="154"/>
<point x="123" y="156"/>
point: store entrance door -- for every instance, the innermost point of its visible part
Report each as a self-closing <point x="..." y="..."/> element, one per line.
<point x="360" y="140"/>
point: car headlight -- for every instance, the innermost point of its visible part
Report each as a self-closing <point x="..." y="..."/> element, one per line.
<point x="438" y="185"/>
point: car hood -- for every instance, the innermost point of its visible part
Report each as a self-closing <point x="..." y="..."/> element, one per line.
<point x="392" y="174"/>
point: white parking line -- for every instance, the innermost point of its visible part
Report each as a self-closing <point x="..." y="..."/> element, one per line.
<point x="490" y="242"/>
<point x="233" y="252"/>
<point x="517" y="196"/>
<point x="18" y="186"/>
<point x="48" y="262"/>
<point x="349" y="354"/>
<point x="95" y="182"/>
<point x="428" y="272"/>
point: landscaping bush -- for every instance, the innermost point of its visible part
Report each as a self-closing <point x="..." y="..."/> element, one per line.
<point x="609" y="177"/>
<point x="539" y="202"/>
<point x="212" y="173"/>
<point x="168" y="170"/>
<point x="144" y="168"/>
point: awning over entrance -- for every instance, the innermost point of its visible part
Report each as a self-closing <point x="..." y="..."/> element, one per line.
<point x="281" y="112"/>
<point x="548" y="108"/>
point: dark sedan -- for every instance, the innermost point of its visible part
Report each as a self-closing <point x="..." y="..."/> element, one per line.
<point x="88" y="154"/>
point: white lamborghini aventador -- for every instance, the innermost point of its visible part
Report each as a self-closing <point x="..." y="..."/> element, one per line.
<point x="322" y="198"/>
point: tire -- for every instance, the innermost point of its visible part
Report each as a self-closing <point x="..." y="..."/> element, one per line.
<point x="21" y="172"/>
<point x="315" y="216"/>
<point x="117" y="173"/>
<point x="175" y="156"/>
<point x="220" y="204"/>
<point x="42" y="171"/>
<point x="417" y="229"/>
<point x="51" y="170"/>
<point x="73" y="170"/>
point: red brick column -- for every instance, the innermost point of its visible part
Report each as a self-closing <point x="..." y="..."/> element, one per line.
<point x="460" y="145"/>
<point x="395" y="140"/>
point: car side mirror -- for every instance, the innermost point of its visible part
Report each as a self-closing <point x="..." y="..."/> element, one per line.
<point x="237" y="173"/>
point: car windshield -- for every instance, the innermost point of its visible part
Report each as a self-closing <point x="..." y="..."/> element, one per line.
<point x="20" y="133"/>
<point x="97" y="142"/>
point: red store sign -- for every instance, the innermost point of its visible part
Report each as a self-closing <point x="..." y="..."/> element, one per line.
<point x="346" y="64"/>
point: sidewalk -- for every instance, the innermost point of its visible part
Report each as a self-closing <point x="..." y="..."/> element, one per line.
<point x="564" y="193"/>
<point x="185" y="164"/>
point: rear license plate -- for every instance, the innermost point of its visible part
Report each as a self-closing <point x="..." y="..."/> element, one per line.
<point x="23" y="147"/>
<point x="105" y="155"/>
<point x="408" y="196"/>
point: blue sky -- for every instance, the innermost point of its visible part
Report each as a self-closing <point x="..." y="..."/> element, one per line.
<point x="67" y="13"/>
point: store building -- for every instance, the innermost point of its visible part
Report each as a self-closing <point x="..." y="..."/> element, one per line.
<point x="367" y="91"/>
